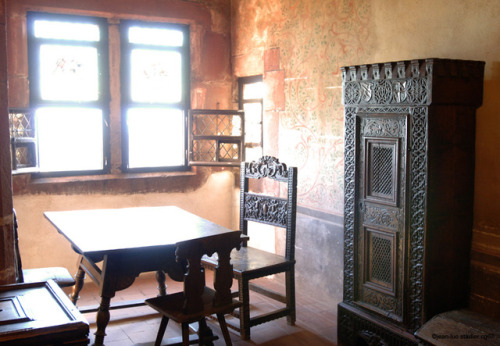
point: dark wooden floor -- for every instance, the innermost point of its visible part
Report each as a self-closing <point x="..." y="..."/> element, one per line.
<point x="316" y="321"/>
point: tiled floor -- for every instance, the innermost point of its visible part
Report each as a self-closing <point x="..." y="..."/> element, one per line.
<point x="316" y="321"/>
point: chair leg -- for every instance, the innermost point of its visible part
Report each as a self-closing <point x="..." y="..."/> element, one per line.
<point x="185" y="334"/>
<point x="201" y="331"/>
<point x="244" y="296"/>
<point x="290" y="296"/>
<point x="223" y="328"/>
<point x="161" y="331"/>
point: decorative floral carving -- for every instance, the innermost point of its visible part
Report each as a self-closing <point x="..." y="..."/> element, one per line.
<point x="349" y="200"/>
<point x="382" y="127"/>
<point x="400" y="88"/>
<point x="387" y="91"/>
<point x="385" y="217"/>
<point x="418" y="183"/>
<point x="417" y="90"/>
<point x="383" y="91"/>
<point x="352" y="92"/>
<point x="367" y="91"/>
<point x="263" y="208"/>
<point x="267" y="166"/>
<point x="404" y="82"/>
<point x="381" y="301"/>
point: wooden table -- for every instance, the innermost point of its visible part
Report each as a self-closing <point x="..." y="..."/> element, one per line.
<point x="128" y="241"/>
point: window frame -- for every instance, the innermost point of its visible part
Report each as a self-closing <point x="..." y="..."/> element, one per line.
<point x="126" y="100"/>
<point x="218" y="139"/>
<point x="107" y="72"/>
<point x="35" y="89"/>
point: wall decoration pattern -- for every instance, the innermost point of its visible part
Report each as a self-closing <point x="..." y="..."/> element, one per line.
<point x="315" y="38"/>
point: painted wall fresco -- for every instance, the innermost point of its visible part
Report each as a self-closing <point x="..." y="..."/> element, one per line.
<point x="314" y="39"/>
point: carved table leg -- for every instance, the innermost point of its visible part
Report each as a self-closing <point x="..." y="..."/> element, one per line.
<point x="162" y="287"/>
<point x="79" y="280"/>
<point x="102" y="320"/>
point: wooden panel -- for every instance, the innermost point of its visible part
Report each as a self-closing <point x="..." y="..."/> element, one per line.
<point x="41" y="314"/>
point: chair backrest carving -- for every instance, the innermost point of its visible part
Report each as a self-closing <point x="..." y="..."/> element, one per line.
<point x="268" y="209"/>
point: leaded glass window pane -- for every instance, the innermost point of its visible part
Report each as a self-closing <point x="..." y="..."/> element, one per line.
<point x="155" y="137"/>
<point x="156" y="36"/>
<point x="205" y="150"/>
<point x="21" y="124"/>
<point x="156" y="76"/>
<point x="69" y="139"/>
<point x="67" y="30"/>
<point x="216" y="137"/>
<point x="68" y="73"/>
<point x="208" y="124"/>
<point x="229" y="151"/>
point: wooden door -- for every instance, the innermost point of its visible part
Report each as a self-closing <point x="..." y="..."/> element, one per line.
<point x="380" y="238"/>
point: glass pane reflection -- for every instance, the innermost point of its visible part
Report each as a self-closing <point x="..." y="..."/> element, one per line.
<point x="68" y="73"/>
<point x="156" y="76"/>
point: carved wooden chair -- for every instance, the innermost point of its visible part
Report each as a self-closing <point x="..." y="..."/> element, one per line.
<point x="198" y="301"/>
<point x="60" y="275"/>
<point x="250" y="263"/>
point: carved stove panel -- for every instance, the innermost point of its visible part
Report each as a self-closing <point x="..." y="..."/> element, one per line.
<point x="380" y="268"/>
<point x="381" y="165"/>
<point x="403" y="121"/>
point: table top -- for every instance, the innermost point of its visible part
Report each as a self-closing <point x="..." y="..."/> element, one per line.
<point x="108" y="230"/>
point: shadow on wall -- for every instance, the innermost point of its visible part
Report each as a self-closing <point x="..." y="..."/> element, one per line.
<point x="319" y="255"/>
